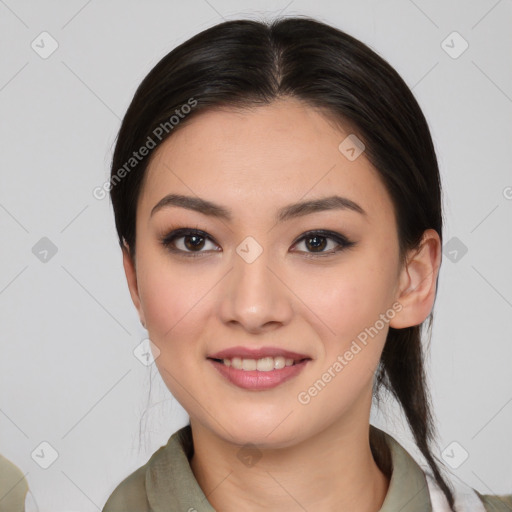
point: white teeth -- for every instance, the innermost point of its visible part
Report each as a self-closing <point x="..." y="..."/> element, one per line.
<point x="280" y="362"/>
<point x="236" y="363"/>
<point x="249" y="364"/>
<point x="266" y="364"/>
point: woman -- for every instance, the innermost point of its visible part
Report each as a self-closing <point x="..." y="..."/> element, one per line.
<point x="277" y="199"/>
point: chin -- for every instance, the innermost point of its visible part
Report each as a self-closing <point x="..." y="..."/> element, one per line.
<point x="265" y="433"/>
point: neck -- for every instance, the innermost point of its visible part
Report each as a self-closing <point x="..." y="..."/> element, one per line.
<point x="332" y="471"/>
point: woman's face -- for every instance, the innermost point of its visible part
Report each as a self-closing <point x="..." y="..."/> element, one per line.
<point x="254" y="281"/>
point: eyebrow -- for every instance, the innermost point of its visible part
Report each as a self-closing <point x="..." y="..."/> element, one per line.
<point x="285" y="213"/>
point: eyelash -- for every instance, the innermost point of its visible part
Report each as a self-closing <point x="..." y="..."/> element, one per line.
<point x="342" y="241"/>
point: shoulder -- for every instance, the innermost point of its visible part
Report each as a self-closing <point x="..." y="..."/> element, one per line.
<point x="130" y="495"/>
<point x="13" y="486"/>
<point x="165" y="479"/>
<point x="496" y="503"/>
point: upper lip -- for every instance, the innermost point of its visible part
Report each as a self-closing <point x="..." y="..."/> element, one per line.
<point x="257" y="353"/>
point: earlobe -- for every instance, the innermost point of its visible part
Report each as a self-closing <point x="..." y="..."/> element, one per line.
<point x="131" y="278"/>
<point x="417" y="287"/>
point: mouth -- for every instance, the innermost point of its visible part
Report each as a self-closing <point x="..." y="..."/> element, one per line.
<point x="258" y="369"/>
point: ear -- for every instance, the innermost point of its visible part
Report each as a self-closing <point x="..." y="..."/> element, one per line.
<point x="417" y="283"/>
<point x="131" y="278"/>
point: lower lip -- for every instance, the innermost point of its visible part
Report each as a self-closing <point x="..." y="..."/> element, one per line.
<point x="256" y="380"/>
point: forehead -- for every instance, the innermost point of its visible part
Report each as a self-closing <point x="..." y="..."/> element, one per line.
<point x="267" y="155"/>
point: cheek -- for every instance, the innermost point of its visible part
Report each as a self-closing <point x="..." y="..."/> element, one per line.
<point x="349" y="298"/>
<point x="170" y="299"/>
<point x="160" y="299"/>
<point x="171" y="305"/>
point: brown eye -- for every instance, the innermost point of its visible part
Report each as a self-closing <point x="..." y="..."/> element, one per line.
<point x="193" y="242"/>
<point x="315" y="243"/>
<point x="188" y="242"/>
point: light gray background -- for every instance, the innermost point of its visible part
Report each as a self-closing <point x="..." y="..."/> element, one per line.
<point x="68" y="373"/>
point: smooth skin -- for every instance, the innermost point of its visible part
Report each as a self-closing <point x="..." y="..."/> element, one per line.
<point x="315" y="456"/>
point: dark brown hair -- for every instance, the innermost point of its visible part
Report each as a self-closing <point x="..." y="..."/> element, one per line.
<point x="246" y="63"/>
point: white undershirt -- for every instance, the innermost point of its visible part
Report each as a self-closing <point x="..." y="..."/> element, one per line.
<point x="466" y="499"/>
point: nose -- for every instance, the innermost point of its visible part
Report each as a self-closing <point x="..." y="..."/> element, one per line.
<point x="255" y="296"/>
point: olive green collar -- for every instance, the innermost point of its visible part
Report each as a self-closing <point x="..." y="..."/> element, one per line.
<point x="171" y="484"/>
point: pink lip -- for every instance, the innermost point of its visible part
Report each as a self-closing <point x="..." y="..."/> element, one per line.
<point x="257" y="353"/>
<point x="256" y="380"/>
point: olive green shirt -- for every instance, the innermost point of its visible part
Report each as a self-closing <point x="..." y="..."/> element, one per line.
<point x="166" y="483"/>
<point x="13" y="487"/>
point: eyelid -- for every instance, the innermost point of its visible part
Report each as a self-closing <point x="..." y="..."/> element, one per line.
<point x="167" y="240"/>
<point x="343" y="241"/>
